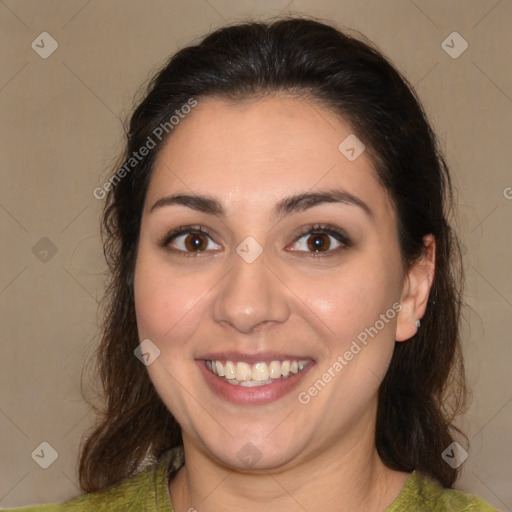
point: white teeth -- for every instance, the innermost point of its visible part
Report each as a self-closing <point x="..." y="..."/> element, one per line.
<point x="220" y="369"/>
<point x="242" y="371"/>
<point x="275" y="369"/>
<point x="253" y="383"/>
<point x="258" y="374"/>
<point x="229" y="370"/>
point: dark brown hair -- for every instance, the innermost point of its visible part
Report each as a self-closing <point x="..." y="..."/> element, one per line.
<point x="424" y="387"/>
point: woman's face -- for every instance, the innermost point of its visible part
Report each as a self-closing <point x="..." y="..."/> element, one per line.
<point x="287" y="258"/>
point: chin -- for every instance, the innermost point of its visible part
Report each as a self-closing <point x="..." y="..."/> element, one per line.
<point x="249" y="453"/>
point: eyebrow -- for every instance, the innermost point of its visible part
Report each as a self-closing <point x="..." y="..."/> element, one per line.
<point x="286" y="206"/>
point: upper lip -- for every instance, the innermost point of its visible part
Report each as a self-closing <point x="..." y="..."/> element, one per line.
<point x="252" y="358"/>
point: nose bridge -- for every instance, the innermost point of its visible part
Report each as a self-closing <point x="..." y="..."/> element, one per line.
<point x="251" y="294"/>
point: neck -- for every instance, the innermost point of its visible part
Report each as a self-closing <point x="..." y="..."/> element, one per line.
<point x="345" y="475"/>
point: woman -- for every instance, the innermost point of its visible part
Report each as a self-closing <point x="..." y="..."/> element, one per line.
<point x="276" y="232"/>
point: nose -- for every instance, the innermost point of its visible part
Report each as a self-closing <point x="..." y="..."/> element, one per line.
<point x="250" y="296"/>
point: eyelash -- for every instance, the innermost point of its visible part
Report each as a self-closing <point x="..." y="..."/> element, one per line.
<point x="323" y="229"/>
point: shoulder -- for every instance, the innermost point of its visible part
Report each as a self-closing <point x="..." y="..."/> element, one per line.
<point x="147" y="490"/>
<point x="132" y="492"/>
<point x="423" y="493"/>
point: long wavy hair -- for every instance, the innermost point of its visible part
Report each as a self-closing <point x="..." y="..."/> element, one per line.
<point x="424" y="388"/>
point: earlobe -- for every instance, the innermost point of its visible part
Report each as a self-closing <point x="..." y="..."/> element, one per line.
<point x="416" y="290"/>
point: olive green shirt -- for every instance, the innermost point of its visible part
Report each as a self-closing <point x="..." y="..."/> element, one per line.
<point x="148" y="491"/>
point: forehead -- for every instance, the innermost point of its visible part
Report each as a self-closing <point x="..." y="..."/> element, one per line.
<point x="263" y="148"/>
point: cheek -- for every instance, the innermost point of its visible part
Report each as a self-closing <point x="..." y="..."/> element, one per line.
<point x="165" y="304"/>
<point x="357" y="306"/>
<point x="348" y="301"/>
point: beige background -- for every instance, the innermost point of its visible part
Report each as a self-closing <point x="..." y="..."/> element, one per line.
<point x="61" y="131"/>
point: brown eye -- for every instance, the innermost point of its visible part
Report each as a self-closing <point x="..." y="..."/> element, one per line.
<point x="189" y="241"/>
<point x="321" y="241"/>
<point x="318" y="242"/>
<point x="195" y="242"/>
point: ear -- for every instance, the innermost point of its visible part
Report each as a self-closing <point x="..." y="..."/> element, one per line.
<point x="416" y="289"/>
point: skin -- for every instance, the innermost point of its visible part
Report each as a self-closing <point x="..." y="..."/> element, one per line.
<point x="249" y="155"/>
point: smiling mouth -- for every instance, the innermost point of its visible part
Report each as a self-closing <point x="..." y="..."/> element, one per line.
<point x="257" y="374"/>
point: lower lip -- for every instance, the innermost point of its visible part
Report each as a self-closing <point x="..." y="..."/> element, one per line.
<point x="256" y="395"/>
